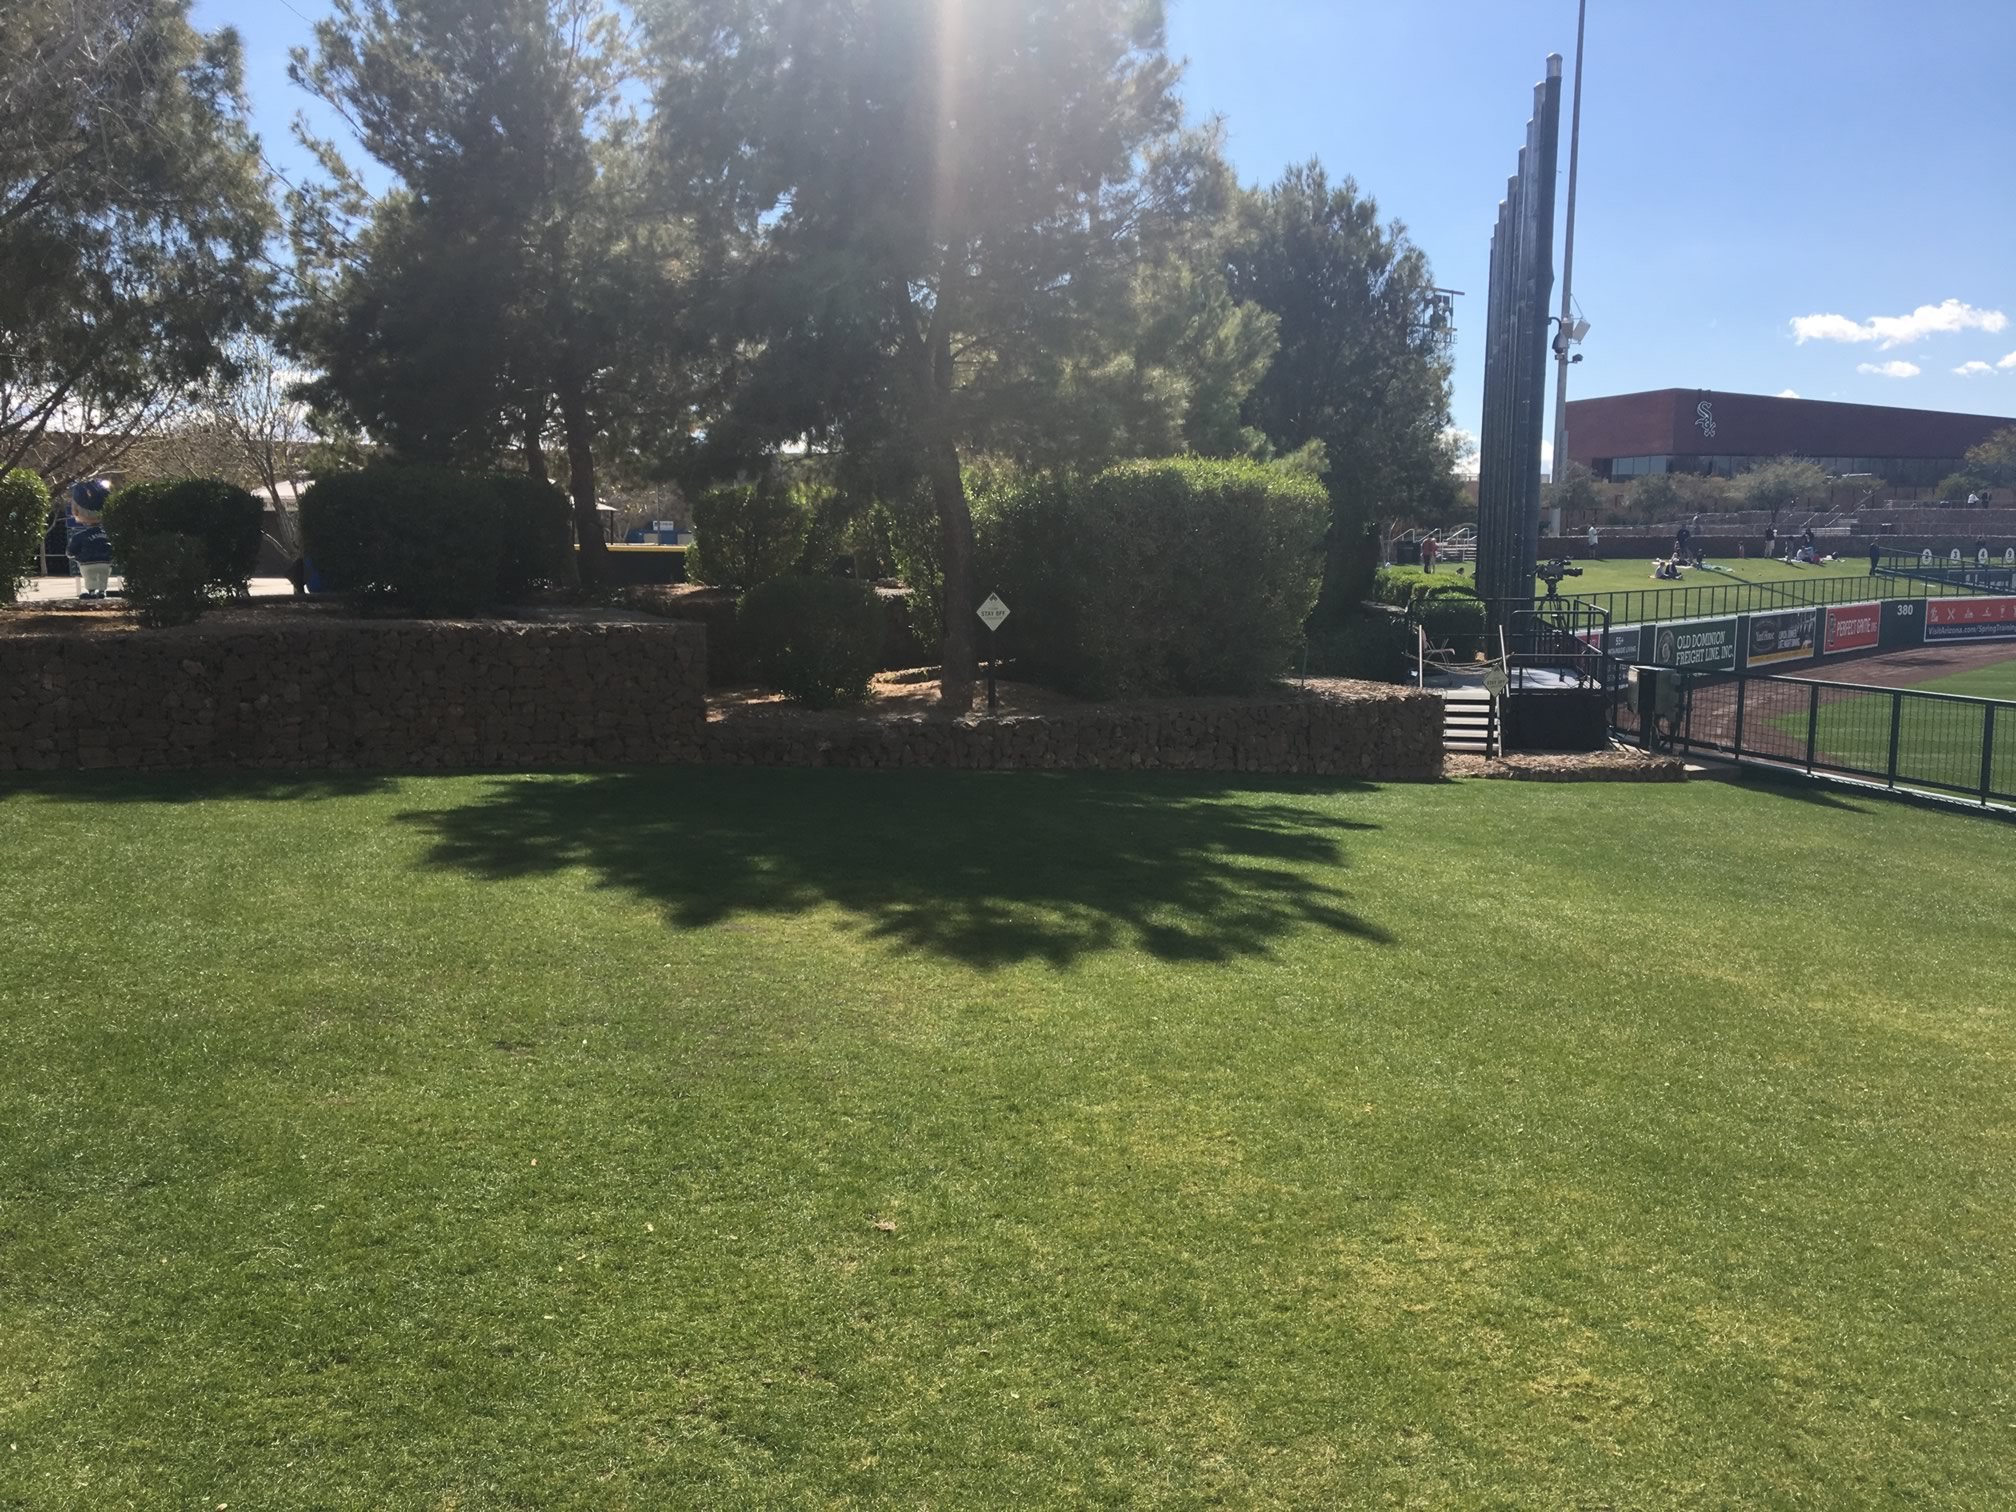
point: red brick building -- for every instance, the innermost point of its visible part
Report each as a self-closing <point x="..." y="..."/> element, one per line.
<point x="1702" y="431"/>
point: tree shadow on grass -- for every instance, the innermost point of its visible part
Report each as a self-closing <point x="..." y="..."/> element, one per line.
<point x="987" y="869"/>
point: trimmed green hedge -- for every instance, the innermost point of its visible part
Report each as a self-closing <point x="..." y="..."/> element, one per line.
<point x="815" y="639"/>
<point x="223" y="517"/>
<point x="748" y="534"/>
<point x="1166" y="577"/>
<point x="535" y="526"/>
<point x="438" y="541"/>
<point x="167" y="578"/>
<point x="1443" y="604"/>
<point x="1452" y="619"/>
<point x="24" y="520"/>
<point x="1402" y="587"/>
<point x="1373" y="646"/>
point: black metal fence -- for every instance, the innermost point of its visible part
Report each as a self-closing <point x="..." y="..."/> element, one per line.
<point x="1644" y="606"/>
<point x="1983" y="573"/>
<point x="1900" y="737"/>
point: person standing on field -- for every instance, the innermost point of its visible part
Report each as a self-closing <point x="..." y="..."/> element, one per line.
<point x="1430" y="549"/>
<point x="1592" y="542"/>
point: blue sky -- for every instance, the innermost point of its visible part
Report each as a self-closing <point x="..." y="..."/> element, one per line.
<point x="1746" y="164"/>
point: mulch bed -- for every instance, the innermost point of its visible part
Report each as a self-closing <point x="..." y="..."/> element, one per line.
<point x="1618" y="764"/>
<point x="906" y="695"/>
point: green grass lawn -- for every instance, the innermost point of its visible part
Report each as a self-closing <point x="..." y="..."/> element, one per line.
<point x="1996" y="681"/>
<point x="827" y="1139"/>
<point x="1616" y="576"/>
<point x="1938" y="744"/>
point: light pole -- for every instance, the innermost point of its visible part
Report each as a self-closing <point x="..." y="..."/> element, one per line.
<point x="1568" y="330"/>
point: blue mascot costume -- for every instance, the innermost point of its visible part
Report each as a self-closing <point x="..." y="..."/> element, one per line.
<point x="89" y="548"/>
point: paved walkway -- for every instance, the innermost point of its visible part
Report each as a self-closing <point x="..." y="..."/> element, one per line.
<point x="43" y="590"/>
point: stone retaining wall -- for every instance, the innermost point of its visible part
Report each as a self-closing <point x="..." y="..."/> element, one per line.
<point x="401" y="696"/>
<point x="354" y="694"/>
<point x="1336" y="728"/>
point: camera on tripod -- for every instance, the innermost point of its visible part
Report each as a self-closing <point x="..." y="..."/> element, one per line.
<point x="1552" y="572"/>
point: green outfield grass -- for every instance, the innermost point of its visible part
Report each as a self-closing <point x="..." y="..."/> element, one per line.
<point x="1939" y="744"/>
<point x="1996" y="681"/>
<point x="708" y="1139"/>
<point x="1608" y="576"/>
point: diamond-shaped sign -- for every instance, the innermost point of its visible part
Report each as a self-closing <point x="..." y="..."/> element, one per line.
<point x="993" y="612"/>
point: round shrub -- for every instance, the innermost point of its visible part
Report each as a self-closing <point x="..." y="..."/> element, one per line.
<point x="1372" y="646"/>
<point x="1395" y="585"/>
<point x="167" y="577"/>
<point x="814" y="639"/>
<point x="435" y="540"/>
<point x="24" y="520"/>
<point x="535" y="525"/>
<point x="748" y="534"/>
<point x="1455" y="620"/>
<point x="1166" y="577"/>
<point x="222" y="517"/>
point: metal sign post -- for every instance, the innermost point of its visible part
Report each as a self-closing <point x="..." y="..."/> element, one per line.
<point x="992" y="613"/>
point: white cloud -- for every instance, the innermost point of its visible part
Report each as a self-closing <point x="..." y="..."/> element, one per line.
<point x="1807" y="328"/>
<point x="1898" y="330"/>
<point x="1788" y="393"/>
<point x="1889" y="369"/>
<point x="2008" y="362"/>
<point x="1973" y="369"/>
<point x="1465" y="443"/>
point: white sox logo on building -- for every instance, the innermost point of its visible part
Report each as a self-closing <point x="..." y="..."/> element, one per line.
<point x="1704" y="419"/>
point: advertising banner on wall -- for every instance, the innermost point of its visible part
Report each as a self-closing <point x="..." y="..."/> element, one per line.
<point x="1622" y="644"/>
<point x="1696" y="645"/>
<point x="1903" y="623"/>
<point x="1787" y="635"/>
<point x="1853" y="627"/>
<point x="1969" y="619"/>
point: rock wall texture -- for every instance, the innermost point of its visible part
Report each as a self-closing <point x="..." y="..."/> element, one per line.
<point x="359" y="695"/>
<point x="1336" y="728"/>
<point x="354" y="695"/>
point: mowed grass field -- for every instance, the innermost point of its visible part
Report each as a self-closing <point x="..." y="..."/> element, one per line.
<point x="714" y="1139"/>
<point x="1608" y="575"/>
<point x="1939" y="744"/>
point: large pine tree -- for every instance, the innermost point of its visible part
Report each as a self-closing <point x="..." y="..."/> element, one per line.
<point x="133" y="215"/>
<point x="954" y="196"/>
<point x="510" y="281"/>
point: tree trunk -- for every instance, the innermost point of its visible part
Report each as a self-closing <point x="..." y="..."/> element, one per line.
<point x="532" y="441"/>
<point x="581" y="484"/>
<point x="955" y="551"/>
<point x="948" y="495"/>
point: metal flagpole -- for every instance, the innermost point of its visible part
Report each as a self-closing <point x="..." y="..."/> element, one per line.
<point x="1561" y="341"/>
